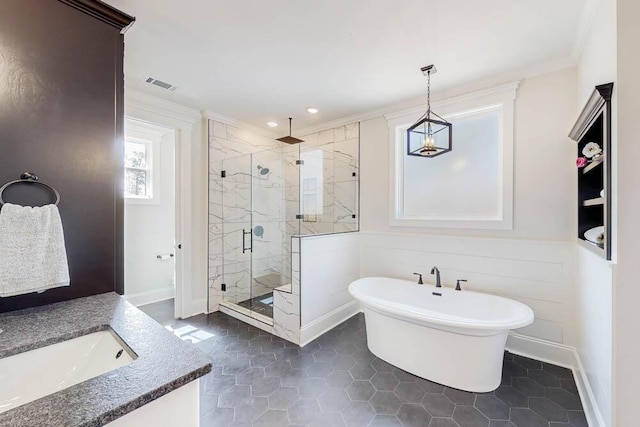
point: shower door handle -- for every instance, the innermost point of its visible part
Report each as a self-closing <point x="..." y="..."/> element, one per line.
<point x="244" y="240"/>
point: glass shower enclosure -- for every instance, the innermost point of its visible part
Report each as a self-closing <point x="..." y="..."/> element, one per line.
<point x="262" y="193"/>
<point x="259" y="212"/>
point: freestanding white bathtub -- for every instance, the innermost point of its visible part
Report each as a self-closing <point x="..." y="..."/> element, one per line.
<point x="455" y="338"/>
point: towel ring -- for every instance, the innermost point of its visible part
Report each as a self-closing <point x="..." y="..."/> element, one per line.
<point x="29" y="178"/>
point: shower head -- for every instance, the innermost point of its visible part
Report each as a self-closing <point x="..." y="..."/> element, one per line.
<point x="263" y="170"/>
<point x="290" y="139"/>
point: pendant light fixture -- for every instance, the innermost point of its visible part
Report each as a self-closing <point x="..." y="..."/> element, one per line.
<point x="290" y="139"/>
<point x="431" y="135"/>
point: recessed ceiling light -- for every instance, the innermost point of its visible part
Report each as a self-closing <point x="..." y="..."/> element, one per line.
<point x="312" y="110"/>
<point x="272" y="124"/>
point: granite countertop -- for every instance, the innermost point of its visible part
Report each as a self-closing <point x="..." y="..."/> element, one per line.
<point x="164" y="362"/>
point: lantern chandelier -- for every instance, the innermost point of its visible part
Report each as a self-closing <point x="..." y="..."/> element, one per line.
<point x="431" y="135"/>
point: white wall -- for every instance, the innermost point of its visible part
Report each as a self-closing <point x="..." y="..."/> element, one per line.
<point x="150" y="231"/>
<point x="594" y="284"/>
<point x="535" y="261"/>
<point x="544" y="196"/>
<point x="328" y="264"/>
<point x="593" y="311"/>
<point x="626" y="292"/>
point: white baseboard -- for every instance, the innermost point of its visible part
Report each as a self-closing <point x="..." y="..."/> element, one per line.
<point x="327" y="322"/>
<point x="561" y="355"/>
<point x="148" y="297"/>
<point x="591" y="409"/>
<point x="543" y="350"/>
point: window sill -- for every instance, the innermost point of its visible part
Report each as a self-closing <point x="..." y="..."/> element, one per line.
<point x="141" y="201"/>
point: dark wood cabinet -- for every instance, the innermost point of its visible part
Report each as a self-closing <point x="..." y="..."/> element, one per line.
<point x="62" y="117"/>
<point x="594" y="180"/>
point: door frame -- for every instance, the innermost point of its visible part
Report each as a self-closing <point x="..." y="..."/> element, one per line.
<point x="182" y="120"/>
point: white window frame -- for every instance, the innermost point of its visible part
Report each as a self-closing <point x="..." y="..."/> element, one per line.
<point x="502" y="98"/>
<point x="139" y="134"/>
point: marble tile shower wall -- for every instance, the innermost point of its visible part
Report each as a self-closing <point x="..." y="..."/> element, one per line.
<point x="230" y="205"/>
<point x="249" y="197"/>
<point x="329" y="180"/>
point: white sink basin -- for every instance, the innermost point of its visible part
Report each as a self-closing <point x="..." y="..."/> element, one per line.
<point x="31" y="375"/>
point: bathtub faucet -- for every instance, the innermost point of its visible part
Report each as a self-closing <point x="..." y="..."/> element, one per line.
<point x="436" y="271"/>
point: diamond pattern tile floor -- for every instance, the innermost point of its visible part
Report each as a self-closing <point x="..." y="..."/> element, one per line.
<point x="261" y="380"/>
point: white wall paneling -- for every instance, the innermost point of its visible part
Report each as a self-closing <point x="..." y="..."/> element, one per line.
<point x="539" y="274"/>
<point x="329" y="263"/>
<point x="594" y="329"/>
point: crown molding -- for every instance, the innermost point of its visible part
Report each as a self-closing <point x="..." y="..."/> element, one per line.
<point x="415" y="105"/>
<point x="509" y="90"/>
<point x="160" y="106"/>
<point x="211" y="115"/>
<point x="104" y="12"/>
<point x="587" y="18"/>
<point x="473" y="88"/>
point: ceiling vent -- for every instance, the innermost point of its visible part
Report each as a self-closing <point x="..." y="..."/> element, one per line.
<point x="160" y="83"/>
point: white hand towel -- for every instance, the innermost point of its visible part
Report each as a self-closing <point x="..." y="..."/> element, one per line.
<point x="33" y="257"/>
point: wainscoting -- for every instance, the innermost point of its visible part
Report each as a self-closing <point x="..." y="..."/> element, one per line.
<point x="328" y="265"/>
<point x="539" y="274"/>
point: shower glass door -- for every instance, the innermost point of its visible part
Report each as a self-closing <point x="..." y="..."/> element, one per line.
<point x="260" y="207"/>
<point x="236" y="223"/>
<point x="266" y="257"/>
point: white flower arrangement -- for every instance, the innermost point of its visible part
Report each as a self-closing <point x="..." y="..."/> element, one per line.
<point x="591" y="150"/>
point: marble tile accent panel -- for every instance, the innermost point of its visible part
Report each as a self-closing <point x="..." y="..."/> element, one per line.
<point x="237" y="277"/>
<point x="215" y="169"/>
<point x="310" y="140"/>
<point x="326" y="137"/>
<point x="291" y="169"/>
<point x="352" y="131"/>
<point x="215" y="205"/>
<point x="233" y="242"/>
<point x="346" y="160"/>
<point x="295" y="272"/>
<point x="267" y="204"/>
<point x="215" y="293"/>
<point x="346" y="202"/>
<point x="286" y="316"/>
<point x="217" y="129"/>
<point x="292" y="202"/>
<point x="236" y="202"/>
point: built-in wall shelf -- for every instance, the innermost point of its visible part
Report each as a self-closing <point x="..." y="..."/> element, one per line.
<point x="594" y="126"/>
<point x="591" y="166"/>
<point x="598" y="201"/>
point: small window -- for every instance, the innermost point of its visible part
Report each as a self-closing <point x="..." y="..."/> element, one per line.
<point x="138" y="177"/>
<point x="470" y="187"/>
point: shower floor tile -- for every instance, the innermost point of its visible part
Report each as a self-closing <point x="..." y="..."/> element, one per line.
<point x="299" y="386"/>
<point x="261" y="305"/>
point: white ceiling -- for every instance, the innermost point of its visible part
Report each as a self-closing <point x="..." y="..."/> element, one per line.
<point x="261" y="60"/>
